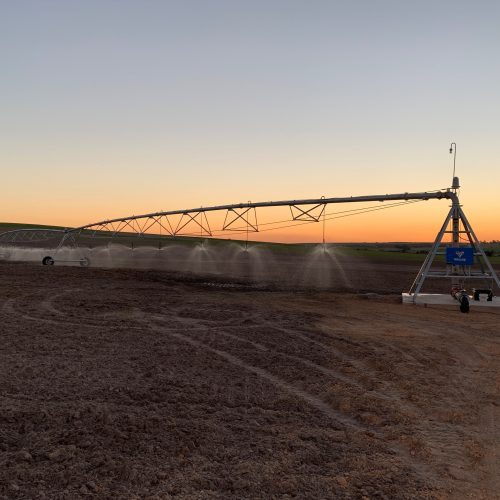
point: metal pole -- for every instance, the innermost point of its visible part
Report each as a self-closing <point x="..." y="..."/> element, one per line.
<point x="456" y="204"/>
<point x="453" y="149"/>
<point x="456" y="222"/>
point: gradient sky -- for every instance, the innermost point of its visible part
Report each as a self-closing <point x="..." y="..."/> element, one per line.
<point x="113" y="108"/>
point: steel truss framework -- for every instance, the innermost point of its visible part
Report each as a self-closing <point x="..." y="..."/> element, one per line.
<point x="30" y="235"/>
<point x="243" y="217"/>
<point x="194" y="222"/>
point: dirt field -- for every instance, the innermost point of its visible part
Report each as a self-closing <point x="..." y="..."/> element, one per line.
<point x="153" y="384"/>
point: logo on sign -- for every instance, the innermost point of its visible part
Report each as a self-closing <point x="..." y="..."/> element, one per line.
<point x="460" y="256"/>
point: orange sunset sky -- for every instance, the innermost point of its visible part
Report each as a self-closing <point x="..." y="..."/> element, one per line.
<point x="117" y="108"/>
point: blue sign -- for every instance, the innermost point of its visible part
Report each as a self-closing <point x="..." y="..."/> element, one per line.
<point x="460" y="256"/>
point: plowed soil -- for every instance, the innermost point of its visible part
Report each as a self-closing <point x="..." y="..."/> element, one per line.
<point x="150" y="384"/>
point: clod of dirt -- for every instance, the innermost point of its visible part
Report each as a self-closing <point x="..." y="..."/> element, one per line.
<point x="24" y="456"/>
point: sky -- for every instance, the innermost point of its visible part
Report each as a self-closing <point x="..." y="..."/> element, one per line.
<point x="113" y="108"/>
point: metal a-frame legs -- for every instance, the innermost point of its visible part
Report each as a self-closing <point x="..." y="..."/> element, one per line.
<point x="454" y="272"/>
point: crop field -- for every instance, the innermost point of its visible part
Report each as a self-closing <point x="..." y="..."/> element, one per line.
<point x="141" y="383"/>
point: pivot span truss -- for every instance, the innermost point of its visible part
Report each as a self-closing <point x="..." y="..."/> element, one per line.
<point x="31" y="235"/>
<point x="243" y="217"/>
<point x="240" y="217"/>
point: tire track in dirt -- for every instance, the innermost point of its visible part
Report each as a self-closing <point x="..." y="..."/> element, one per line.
<point x="256" y="345"/>
<point x="100" y="321"/>
<point x="334" y="374"/>
<point x="419" y="466"/>
<point x="401" y="442"/>
<point x="334" y="333"/>
<point x="189" y="327"/>
<point x="194" y="326"/>
<point x="48" y="305"/>
<point x="11" y="307"/>
<point x="261" y="347"/>
<point x="285" y="386"/>
<point x="394" y="397"/>
<point x="336" y="352"/>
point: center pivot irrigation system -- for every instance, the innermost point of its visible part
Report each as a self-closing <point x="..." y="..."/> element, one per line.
<point x="464" y="258"/>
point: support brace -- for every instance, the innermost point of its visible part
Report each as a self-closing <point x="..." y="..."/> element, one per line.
<point x="246" y="215"/>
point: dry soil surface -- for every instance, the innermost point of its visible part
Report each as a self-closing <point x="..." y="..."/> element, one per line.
<point x="149" y="384"/>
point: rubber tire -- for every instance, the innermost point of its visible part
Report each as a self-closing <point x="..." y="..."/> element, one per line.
<point x="85" y="262"/>
<point x="464" y="304"/>
<point x="48" y="261"/>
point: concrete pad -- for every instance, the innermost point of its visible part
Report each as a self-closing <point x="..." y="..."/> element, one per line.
<point x="447" y="300"/>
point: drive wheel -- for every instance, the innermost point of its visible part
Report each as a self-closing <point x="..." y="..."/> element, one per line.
<point x="48" y="261"/>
